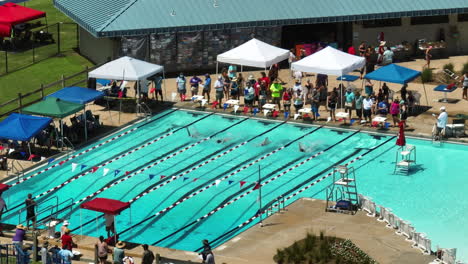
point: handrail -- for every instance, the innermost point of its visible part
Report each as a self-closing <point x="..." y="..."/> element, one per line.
<point x="18" y="172"/>
<point x="69" y="142"/>
<point x="37" y="204"/>
<point x="50" y="207"/>
<point x="59" y="211"/>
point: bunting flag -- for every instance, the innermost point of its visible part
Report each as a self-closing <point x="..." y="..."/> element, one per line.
<point x="62" y="162"/>
<point x="116" y="172"/>
<point x="246" y="110"/>
<point x="82" y="167"/>
<point x="74" y="165"/>
<point x="296" y="116"/>
<point x="230" y="182"/>
<point x="217" y="182"/>
<point x="286" y="115"/>
<point x="94" y="169"/>
<point x="255" y="111"/>
<point x="186" y="178"/>
<point x="23" y="153"/>
<point x="203" y="102"/>
<point x="236" y="107"/>
<point x="195" y="179"/>
<point x="11" y="151"/>
<point x="51" y="160"/>
<point x="265" y="112"/>
<point x="105" y="171"/>
<point x="162" y="177"/>
<point x="32" y="156"/>
<point x="242" y="183"/>
<point x="257" y="186"/>
<point x="225" y="106"/>
<point x="151" y="176"/>
<point x="275" y="113"/>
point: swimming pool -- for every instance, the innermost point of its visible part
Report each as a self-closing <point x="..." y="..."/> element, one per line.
<point x="191" y="176"/>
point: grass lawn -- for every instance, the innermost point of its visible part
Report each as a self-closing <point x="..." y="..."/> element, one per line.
<point x="45" y="71"/>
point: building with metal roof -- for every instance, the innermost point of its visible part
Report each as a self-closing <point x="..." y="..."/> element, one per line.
<point x="123" y="25"/>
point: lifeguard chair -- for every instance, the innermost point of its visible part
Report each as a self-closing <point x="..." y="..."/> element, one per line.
<point x="405" y="157"/>
<point x="343" y="191"/>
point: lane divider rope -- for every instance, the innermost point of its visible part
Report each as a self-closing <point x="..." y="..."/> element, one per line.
<point x="81" y="153"/>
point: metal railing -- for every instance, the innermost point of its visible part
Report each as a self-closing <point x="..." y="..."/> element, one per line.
<point x="18" y="172"/>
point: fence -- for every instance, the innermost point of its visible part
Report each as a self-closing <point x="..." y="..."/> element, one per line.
<point x="10" y="254"/>
<point x="37" y="44"/>
<point x="23" y="100"/>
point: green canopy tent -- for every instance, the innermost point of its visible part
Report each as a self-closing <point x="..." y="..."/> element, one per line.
<point x="54" y="107"/>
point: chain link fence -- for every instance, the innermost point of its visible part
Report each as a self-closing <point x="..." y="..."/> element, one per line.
<point x="35" y="44"/>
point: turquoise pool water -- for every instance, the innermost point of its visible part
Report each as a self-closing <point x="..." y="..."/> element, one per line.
<point x="213" y="159"/>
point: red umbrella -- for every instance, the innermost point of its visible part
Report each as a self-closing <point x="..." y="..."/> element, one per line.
<point x="401" y="141"/>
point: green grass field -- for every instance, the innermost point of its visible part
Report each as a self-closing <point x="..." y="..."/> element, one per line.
<point x="47" y="70"/>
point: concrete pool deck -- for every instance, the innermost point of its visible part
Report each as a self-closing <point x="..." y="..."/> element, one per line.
<point x="258" y="245"/>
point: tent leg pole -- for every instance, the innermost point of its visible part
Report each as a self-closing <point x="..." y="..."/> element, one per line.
<point x="342" y="92"/>
<point x="29" y="147"/>
<point x="61" y="133"/>
<point x="427" y="100"/>
<point x="217" y="64"/>
<point x="164" y="85"/>
<point x="85" y="124"/>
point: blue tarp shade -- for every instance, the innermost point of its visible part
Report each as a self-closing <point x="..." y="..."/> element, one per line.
<point x="22" y="127"/>
<point x="393" y="74"/>
<point x="77" y="95"/>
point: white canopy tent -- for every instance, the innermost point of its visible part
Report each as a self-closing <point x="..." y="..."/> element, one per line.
<point x="254" y="53"/>
<point x="128" y="69"/>
<point x="330" y="61"/>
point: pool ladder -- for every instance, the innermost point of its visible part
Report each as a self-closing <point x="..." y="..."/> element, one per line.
<point x="16" y="171"/>
<point x="278" y="202"/>
<point x="144" y="109"/>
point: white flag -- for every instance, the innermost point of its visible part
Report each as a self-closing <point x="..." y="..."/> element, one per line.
<point x="74" y="165"/>
<point x="105" y="171"/>
<point x="296" y="116"/>
<point x="266" y="111"/>
<point x="236" y="107"/>
<point x="217" y="182"/>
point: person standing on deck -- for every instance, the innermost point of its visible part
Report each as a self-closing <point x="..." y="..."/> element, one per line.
<point x="30" y="211"/>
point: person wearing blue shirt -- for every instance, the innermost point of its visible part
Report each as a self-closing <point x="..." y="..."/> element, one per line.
<point x="66" y="256"/>
<point x="207" y="87"/>
<point x="382" y="108"/>
<point x="349" y="101"/>
<point x="232" y="71"/>
<point x="158" y="87"/>
<point x="194" y="83"/>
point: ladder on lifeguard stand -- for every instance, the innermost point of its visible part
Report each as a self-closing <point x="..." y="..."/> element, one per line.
<point x="405" y="157"/>
<point x="343" y="187"/>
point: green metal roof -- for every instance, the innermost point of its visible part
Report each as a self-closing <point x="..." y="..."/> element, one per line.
<point x="109" y="18"/>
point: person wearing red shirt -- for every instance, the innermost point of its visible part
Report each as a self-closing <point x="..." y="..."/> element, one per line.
<point x="351" y="50"/>
<point x="265" y="79"/>
<point x="67" y="240"/>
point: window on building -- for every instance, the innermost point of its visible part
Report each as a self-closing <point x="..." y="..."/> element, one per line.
<point x="391" y="22"/>
<point x="429" y="20"/>
<point x="462" y="17"/>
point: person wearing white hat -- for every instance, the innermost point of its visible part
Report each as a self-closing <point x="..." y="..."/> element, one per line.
<point x="64" y="227"/>
<point x="441" y="122"/>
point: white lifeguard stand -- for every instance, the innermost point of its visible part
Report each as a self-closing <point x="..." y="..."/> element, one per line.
<point x="405" y="157"/>
<point x="343" y="188"/>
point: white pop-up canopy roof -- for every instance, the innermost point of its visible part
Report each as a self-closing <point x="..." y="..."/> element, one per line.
<point x="254" y="53"/>
<point x="329" y="61"/>
<point x="126" y="68"/>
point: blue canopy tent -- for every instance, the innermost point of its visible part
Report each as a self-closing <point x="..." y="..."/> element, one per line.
<point x="22" y="127"/>
<point x="395" y="74"/>
<point x="78" y="95"/>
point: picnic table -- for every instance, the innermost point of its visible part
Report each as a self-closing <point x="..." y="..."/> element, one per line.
<point x="445" y="89"/>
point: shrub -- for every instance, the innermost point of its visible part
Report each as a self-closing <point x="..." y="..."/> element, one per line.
<point x="426" y="75"/>
<point x="449" y="66"/>
<point x="465" y="68"/>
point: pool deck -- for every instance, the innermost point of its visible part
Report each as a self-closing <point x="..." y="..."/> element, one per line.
<point x="258" y="244"/>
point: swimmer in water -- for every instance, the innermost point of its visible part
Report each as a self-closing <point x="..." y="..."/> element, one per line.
<point x="302" y="147"/>
<point x="195" y="134"/>
<point x="223" y="140"/>
<point x="265" y="142"/>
